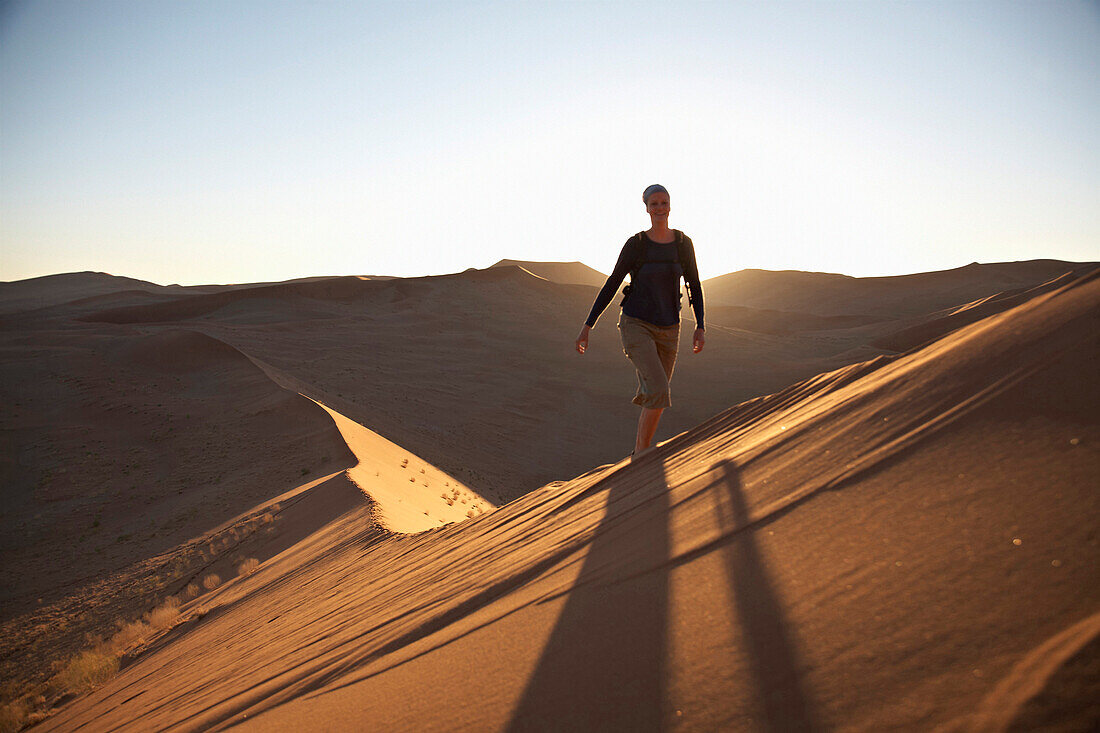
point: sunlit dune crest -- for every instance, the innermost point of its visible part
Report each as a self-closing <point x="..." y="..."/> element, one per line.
<point x="411" y="495"/>
<point x="879" y="518"/>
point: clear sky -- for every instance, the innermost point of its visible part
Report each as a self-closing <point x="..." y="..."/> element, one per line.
<point x="239" y="141"/>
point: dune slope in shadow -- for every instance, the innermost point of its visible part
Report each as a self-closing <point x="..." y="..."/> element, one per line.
<point x="122" y="457"/>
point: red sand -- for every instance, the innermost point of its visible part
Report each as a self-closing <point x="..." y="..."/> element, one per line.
<point x="904" y="543"/>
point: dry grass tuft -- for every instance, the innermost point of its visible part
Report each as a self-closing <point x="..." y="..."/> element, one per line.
<point x="92" y="667"/>
<point x="88" y="670"/>
<point x="12" y="716"/>
<point x="128" y="635"/>
<point x="190" y="591"/>
<point x="165" y="615"/>
<point x="248" y="566"/>
<point x="212" y="581"/>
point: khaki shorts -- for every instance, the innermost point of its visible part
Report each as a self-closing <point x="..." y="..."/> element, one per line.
<point x="652" y="351"/>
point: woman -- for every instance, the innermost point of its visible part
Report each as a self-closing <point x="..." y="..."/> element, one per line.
<point x="650" y="322"/>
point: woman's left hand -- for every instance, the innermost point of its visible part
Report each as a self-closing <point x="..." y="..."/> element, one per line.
<point x="698" y="340"/>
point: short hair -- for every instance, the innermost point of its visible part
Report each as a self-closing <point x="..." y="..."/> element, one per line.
<point x="655" y="188"/>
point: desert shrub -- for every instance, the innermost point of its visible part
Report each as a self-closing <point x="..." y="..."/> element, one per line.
<point x="128" y="635"/>
<point x="12" y="716"/>
<point x="248" y="566"/>
<point x="190" y="591"/>
<point x="88" y="670"/>
<point x="212" y="581"/>
<point x="164" y="615"/>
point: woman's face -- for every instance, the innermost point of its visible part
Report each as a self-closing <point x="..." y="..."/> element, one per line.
<point x="658" y="204"/>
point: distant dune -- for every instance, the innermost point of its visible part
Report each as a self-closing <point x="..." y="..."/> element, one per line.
<point x="196" y="305"/>
<point x="76" y="290"/>
<point x="40" y="292"/>
<point x="940" y="324"/>
<point x="920" y="526"/>
<point x="566" y="273"/>
<point x="899" y="296"/>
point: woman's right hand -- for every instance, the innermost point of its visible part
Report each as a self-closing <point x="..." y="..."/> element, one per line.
<point x="582" y="339"/>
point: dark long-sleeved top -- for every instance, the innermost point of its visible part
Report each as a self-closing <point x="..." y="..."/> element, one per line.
<point x="655" y="285"/>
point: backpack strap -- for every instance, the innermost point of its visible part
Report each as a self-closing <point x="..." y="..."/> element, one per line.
<point x="681" y="253"/>
<point x="639" y="244"/>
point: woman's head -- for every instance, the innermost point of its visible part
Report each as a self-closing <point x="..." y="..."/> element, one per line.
<point x="656" y="201"/>
<point x="650" y="190"/>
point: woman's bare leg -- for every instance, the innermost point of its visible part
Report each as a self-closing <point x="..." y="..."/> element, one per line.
<point x="647" y="428"/>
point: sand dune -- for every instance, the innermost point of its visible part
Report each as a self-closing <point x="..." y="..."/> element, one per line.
<point x="781" y="323"/>
<point x="193" y="306"/>
<point x="899" y="296"/>
<point x="79" y="293"/>
<point x="410" y="495"/>
<point x="566" y="273"/>
<point x="41" y="292"/>
<point x="119" y="447"/>
<point x="428" y="362"/>
<point x="508" y="371"/>
<point x="903" y="543"/>
<point x="936" y="325"/>
<point x="852" y="531"/>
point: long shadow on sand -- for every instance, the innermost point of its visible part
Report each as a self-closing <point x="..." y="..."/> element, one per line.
<point x="604" y="664"/>
<point x="770" y="648"/>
